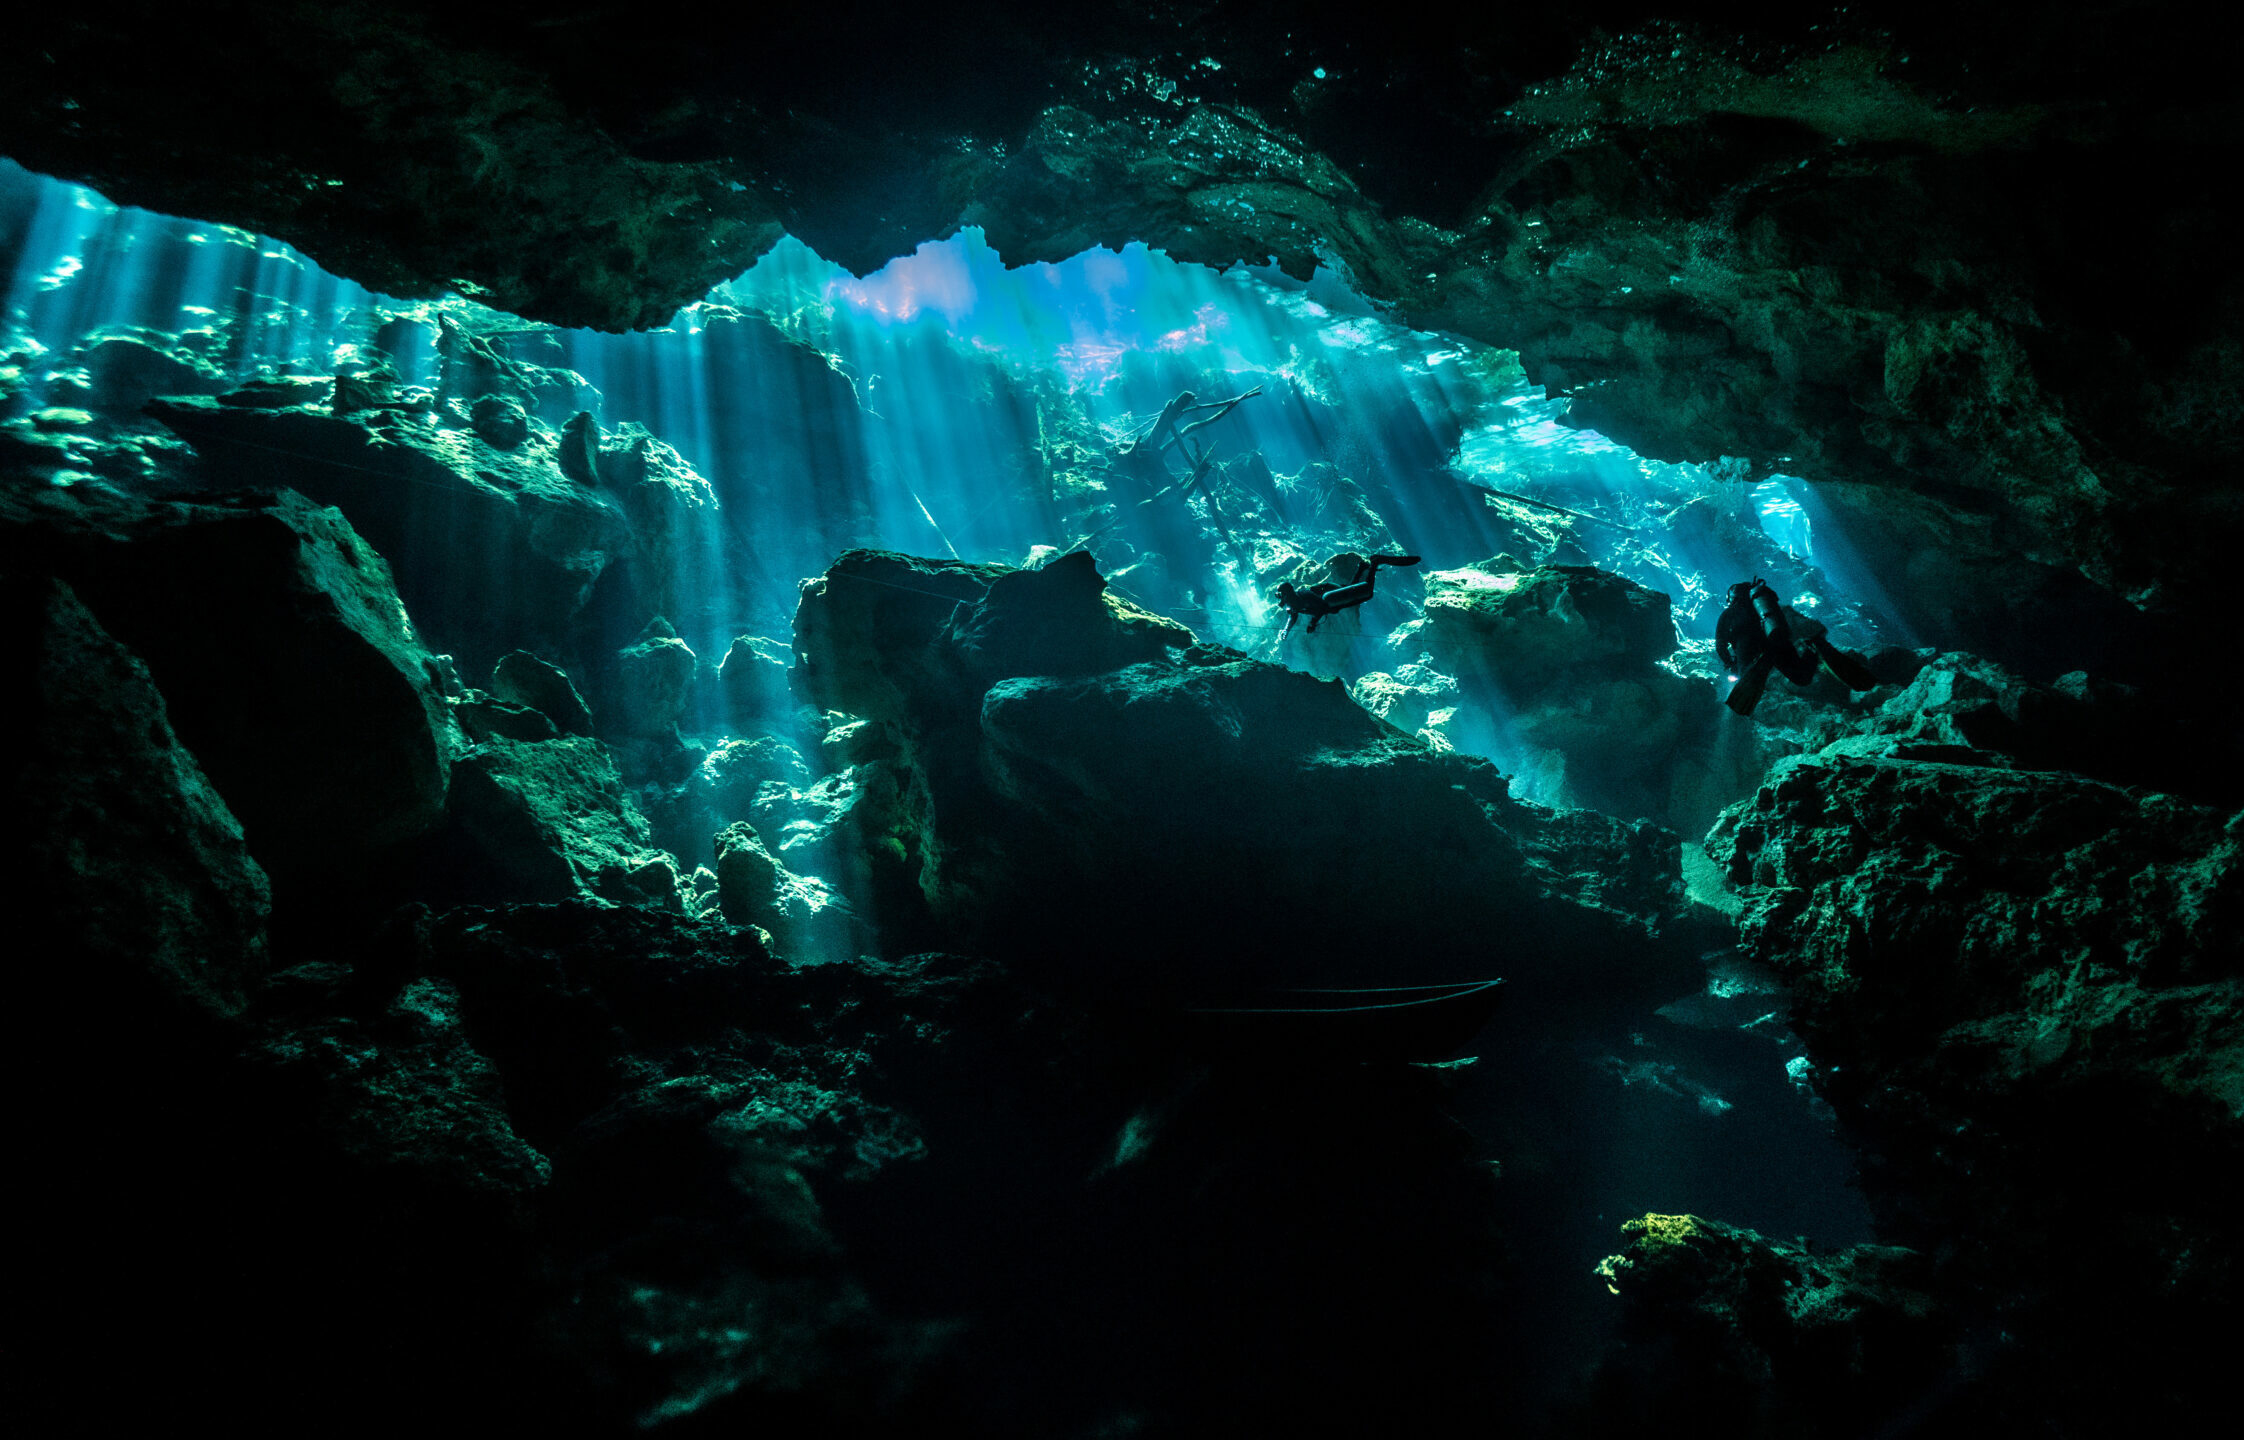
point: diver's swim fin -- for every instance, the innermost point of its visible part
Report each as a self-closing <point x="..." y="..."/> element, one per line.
<point x="1845" y="666"/>
<point x="1394" y="559"/>
<point x="1747" y="692"/>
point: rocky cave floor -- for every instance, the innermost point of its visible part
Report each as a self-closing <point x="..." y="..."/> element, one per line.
<point x="447" y="1000"/>
<point x="399" y="1047"/>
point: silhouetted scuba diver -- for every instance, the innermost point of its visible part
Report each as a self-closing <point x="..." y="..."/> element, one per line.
<point x="1756" y="634"/>
<point x="1318" y="601"/>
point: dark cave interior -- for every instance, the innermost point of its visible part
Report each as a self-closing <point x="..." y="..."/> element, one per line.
<point x="654" y="783"/>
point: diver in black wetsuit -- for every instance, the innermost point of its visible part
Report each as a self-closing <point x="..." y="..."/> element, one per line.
<point x="1318" y="601"/>
<point x="1755" y="635"/>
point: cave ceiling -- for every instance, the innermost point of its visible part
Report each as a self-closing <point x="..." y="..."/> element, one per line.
<point x="1978" y="254"/>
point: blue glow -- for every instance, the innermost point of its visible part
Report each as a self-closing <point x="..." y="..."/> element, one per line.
<point x="948" y="404"/>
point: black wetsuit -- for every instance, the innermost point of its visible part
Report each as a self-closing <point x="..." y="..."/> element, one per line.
<point x="1319" y="601"/>
<point x="1753" y="626"/>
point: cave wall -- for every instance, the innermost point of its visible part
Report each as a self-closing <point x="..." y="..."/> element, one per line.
<point x="1977" y="259"/>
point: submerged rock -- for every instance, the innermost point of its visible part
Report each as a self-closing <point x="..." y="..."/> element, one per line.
<point x="547" y="820"/>
<point x="1068" y="757"/>
<point x="1724" y="1330"/>
<point x="286" y="661"/>
<point x="653" y="680"/>
<point x="1570" y="667"/>
<point x="752" y="679"/>
<point x="492" y="548"/>
<point x="126" y="858"/>
<point x="2024" y="991"/>
<point x="807" y="921"/>
<point x="126" y="366"/>
<point x="543" y="686"/>
<point x="865" y="631"/>
<point x="406" y="1098"/>
<point x="1523" y="630"/>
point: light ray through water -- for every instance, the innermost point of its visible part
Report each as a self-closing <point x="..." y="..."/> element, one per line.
<point x="949" y="405"/>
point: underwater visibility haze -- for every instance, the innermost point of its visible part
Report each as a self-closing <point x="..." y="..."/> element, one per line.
<point x="1029" y="837"/>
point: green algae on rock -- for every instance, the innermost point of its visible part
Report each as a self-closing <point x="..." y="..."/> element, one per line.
<point x="1725" y="1330"/>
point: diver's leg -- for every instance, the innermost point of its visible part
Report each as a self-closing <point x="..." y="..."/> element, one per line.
<point x="1846" y="667"/>
<point x="1798" y="664"/>
<point x="1747" y="692"/>
<point x="1349" y="595"/>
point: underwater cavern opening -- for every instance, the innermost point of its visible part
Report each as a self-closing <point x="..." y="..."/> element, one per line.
<point x="634" y="827"/>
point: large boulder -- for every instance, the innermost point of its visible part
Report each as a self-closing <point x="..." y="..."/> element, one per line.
<point x="865" y="630"/>
<point x="807" y="919"/>
<point x="545" y="687"/>
<point x="2024" y="990"/>
<point x="1566" y="670"/>
<point x="547" y="820"/>
<point x="287" y="662"/>
<point x="652" y="684"/>
<point x="1724" y="1329"/>
<point x="122" y="367"/>
<point x="1521" y="630"/>
<point x="1069" y="759"/>
<point x="126" y="858"/>
<point x="494" y="549"/>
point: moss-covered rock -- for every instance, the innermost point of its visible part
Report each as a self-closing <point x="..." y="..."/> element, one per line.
<point x="1726" y="1330"/>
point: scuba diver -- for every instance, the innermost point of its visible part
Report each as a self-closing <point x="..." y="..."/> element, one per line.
<point x="1328" y="598"/>
<point x="1757" y="634"/>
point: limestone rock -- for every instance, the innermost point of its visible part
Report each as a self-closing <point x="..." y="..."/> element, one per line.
<point x="287" y="663"/>
<point x="654" y="678"/>
<point x="1416" y="699"/>
<point x="2025" y="991"/>
<point x="127" y="366"/>
<point x="1728" y="1330"/>
<point x="500" y="421"/>
<point x="752" y="679"/>
<point x="129" y="863"/>
<point x="1058" y="620"/>
<point x="1575" y="670"/>
<point x="483" y="717"/>
<point x="1520" y="630"/>
<point x="673" y="512"/>
<point x="549" y="820"/>
<point x="809" y="922"/>
<point x="279" y="392"/>
<point x="405" y="1096"/>
<point x="527" y="680"/>
<point x="732" y="776"/>
<point x="1271" y="811"/>
<point x="492" y="549"/>
<point x="866" y="629"/>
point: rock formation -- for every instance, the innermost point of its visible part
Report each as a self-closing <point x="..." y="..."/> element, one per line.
<point x="282" y="652"/>
<point x="1070" y="754"/>
<point x="2020" y="989"/>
